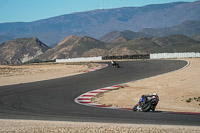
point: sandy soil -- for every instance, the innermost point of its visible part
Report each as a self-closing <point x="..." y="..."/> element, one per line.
<point x="178" y="91"/>
<point x="32" y="126"/>
<point x="37" y="72"/>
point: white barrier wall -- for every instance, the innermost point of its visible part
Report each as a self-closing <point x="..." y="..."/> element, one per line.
<point x="80" y="59"/>
<point x="174" y="55"/>
<point x="152" y="56"/>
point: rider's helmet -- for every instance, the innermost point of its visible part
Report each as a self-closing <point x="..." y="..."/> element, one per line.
<point x="155" y="94"/>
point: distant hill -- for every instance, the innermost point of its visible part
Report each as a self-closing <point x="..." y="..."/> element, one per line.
<point x="76" y="46"/>
<point x="188" y="28"/>
<point x="72" y="46"/>
<point x="96" y="23"/>
<point x="196" y="37"/>
<point x="177" y="43"/>
<point x="126" y="34"/>
<point x="4" y="39"/>
<point x="169" y="44"/>
<point x="20" y="50"/>
<point x="142" y="45"/>
<point x="120" y="40"/>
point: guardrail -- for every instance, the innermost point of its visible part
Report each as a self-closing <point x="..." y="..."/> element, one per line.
<point x="174" y="55"/>
<point x="135" y="56"/>
<point x="80" y="59"/>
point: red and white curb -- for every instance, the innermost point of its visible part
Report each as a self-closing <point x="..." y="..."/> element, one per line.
<point x="85" y="99"/>
<point x="97" y="68"/>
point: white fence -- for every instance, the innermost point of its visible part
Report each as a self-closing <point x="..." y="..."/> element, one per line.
<point x="174" y="55"/>
<point x="80" y="59"/>
<point x="152" y="56"/>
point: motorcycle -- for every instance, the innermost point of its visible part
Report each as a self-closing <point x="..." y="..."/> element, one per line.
<point x="146" y="103"/>
<point x="116" y="65"/>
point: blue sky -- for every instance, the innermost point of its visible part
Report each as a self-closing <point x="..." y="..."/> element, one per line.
<point x="31" y="10"/>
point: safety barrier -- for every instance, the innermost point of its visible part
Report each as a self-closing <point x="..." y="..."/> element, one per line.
<point x="80" y="59"/>
<point x="135" y="56"/>
<point x="174" y="55"/>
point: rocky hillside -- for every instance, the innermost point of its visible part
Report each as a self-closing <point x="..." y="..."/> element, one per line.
<point x="188" y="28"/>
<point x="20" y="50"/>
<point x="125" y="34"/>
<point x="173" y="43"/>
<point x="96" y="23"/>
<point x="170" y="44"/>
<point x="177" y="43"/>
<point x="196" y="37"/>
<point x="120" y="40"/>
<point x="73" y="46"/>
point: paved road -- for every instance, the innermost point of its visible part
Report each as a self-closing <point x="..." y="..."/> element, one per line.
<point x="54" y="99"/>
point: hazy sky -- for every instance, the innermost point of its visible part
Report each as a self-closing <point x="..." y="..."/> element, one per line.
<point x="30" y="10"/>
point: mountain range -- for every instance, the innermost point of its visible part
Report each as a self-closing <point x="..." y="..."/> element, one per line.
<point x="111" y="36"/>
<point x="196" y="37"/>
<point x="187" y="28"/>
<point x="76" y="46"/>
<point x="21" y="50"/>
<point x="96" y="23"/>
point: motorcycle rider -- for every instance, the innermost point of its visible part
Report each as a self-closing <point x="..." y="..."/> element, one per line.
<point x="114" y="64"/>
<point x="144" y="99"/>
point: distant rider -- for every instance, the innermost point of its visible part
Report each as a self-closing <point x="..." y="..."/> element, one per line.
<point x="113" y="62"/>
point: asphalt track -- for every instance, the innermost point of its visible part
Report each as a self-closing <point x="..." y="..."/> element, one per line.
<point x="54" y="99"/>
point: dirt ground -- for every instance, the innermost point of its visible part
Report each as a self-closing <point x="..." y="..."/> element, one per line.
<point x="33" y="126"/>
<point x="36" y="72"/>
<point x="178" y="91"/>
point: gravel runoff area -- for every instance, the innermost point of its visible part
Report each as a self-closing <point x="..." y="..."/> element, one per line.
<point x="33" y="126"/>
<point x="46" y="71"/>
<point x="18" y="74"/>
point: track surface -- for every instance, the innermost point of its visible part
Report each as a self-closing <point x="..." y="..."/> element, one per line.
<point x="54" y="99"/>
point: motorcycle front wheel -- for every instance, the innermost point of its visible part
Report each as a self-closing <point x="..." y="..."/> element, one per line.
<point x="135" y="108"/>
<point x="146" y="107"/>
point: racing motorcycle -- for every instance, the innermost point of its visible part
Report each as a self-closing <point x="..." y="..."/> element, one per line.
<point x="147" y="103"/>
<point x="116" y="65"/>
